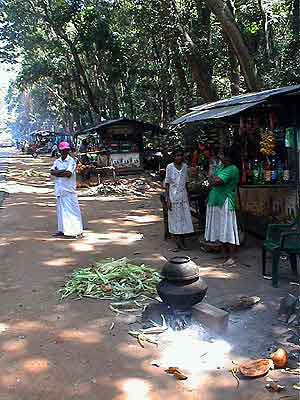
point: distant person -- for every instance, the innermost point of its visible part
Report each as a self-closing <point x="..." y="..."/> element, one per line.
<point x="69" y="219"/>
<point x="54" y="151"/>
<point x="221" y="222"/>
<point x="179" y="213"/>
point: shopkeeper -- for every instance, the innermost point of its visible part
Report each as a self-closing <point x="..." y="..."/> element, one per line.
<point x="221" y="222"/>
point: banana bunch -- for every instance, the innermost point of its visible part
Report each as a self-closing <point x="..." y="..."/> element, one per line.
<point x="268" y="144"/>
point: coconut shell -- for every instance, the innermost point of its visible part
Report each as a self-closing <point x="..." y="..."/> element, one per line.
<point x="256" y="368"/>
<point x="280" y="358"/>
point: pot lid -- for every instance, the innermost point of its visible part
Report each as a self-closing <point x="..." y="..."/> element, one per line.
<point x="180" y="269"/>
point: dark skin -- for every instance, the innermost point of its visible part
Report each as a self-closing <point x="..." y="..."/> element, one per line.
<point x="62" y="174"/>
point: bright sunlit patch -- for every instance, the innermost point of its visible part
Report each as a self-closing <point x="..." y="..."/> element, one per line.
<point x="3" y="327"/>
<point x="136" y="389"/>
<point x="193" y="352"/>
<point x="81" y="247"/>
<point x="81" y="335"/>
<point x="36" y="365"/>
<point x="28" y="326"/>
<point x="60" y="262"/>
<point x="14" y="346"/>
<point x="93" y="238"/>
<point x="143" y="219"/>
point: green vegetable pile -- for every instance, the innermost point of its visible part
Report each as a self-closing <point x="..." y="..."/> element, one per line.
<point x="112" y="280"/>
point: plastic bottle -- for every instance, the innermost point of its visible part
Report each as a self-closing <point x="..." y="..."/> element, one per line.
<point x="256" y="173"/>
<point x="268" y="174"/>
<point x="274" y="172"/>
<point x="286" y="172"/>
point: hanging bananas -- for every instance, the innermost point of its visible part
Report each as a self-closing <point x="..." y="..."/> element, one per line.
<point x="268" y="144"/>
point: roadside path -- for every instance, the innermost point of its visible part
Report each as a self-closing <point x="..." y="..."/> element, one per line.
<point x="62" y="351"/>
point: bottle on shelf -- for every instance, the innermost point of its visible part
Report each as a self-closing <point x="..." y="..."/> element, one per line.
<point x="286" y="172"/>
<point x="249" y="173"/>
<point x="274" y="172"/>
<point x="261" y="173"/>
<point x="268" y="173"/>
<point x="279" y="172"/>
<point x="256" y="172"/>
<point x="244" y="173"/>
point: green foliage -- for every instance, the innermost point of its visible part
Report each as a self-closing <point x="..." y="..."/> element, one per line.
<point x="85" y="60"/>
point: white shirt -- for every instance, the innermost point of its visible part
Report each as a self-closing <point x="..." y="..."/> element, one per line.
<point x="177" y="179"/>
<point x="65" y="185"/>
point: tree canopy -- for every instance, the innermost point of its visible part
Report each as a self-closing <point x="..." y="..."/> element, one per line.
<point x="81" y="61"/>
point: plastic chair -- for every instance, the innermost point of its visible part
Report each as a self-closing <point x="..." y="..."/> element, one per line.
<point x="281" y="239"/>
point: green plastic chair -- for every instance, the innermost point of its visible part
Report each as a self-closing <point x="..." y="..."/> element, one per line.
<point x="282" y="239"/>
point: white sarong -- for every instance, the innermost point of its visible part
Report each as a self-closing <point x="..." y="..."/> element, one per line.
<point x="221" y="225"/>
<point x="69" y="219"/>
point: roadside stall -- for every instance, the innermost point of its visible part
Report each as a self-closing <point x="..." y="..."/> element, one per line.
<point x="264" y="130"/>
<point x="112" y="147"/>
<point x="42" y="142"/>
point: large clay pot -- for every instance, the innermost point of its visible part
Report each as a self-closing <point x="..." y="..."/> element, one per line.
<point x="181" y="286"/>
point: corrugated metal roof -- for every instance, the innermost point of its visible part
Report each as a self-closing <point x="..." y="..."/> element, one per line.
<point x="249" y="98"/>
<point x="216" y="113"/>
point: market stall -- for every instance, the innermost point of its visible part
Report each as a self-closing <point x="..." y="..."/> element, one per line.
<point x="42" y="141"/>
<point x="116" y="146"/>
<point x="264" y="130"/>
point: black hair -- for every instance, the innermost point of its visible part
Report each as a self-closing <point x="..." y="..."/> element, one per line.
<point x="178" y="150"/>
<point x="230" y="155"/>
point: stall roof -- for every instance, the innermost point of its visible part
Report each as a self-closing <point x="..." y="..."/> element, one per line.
<point x="234" y="105"/>
<point x="249" y="98"/>
<point x="220" y="112"/>
<point x="119" y="121"/>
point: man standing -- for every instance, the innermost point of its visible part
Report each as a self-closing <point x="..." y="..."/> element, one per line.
<point x="68" y="212"/>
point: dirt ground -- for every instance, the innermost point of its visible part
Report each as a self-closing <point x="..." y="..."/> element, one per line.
<point x="56" y="350"/>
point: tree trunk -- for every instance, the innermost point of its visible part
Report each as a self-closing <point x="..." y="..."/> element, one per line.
<point x="296" y="21"/>
<point x="201" y="71"/>
<point x="226" y="19"/>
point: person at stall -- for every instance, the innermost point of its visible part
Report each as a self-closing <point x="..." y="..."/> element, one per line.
<point x="69" y="219"/>
<point x="179" y="214"/>
<point x="221" y="222"/>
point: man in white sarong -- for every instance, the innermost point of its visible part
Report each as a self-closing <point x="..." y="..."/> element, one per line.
<point x="69" y="219"/>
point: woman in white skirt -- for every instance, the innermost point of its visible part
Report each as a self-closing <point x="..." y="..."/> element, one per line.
<point x="221" y="222"/>
<point x="179" y="213"/>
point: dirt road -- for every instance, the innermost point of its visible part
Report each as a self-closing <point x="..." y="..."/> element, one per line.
<point x="60" y="351"/>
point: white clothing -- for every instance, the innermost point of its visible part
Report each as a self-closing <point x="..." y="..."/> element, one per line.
<point x="69" y="219"/>
<point x="180" y="219"/>
<point x="221" y="225"/>
<point x="63" y="185"/>
<point x="68" y="215"/>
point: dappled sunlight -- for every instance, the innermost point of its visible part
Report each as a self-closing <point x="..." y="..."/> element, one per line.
<point x="86" y="336"/>
<point x="3" y="327"/>
<point x="113" y="237"/>
<point x="14" y="346"/>
<point x="216" y="272"/>
<point x="10" y="380"/>
<point x="15" y="188"/>
<point x="81" y="247"/>
<point x="143" y="219"/>
<point x="35" y="365"/>
<point x="135" y="389"/>
<point x="60" y="262"/>
<point x="27" y="326"/>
